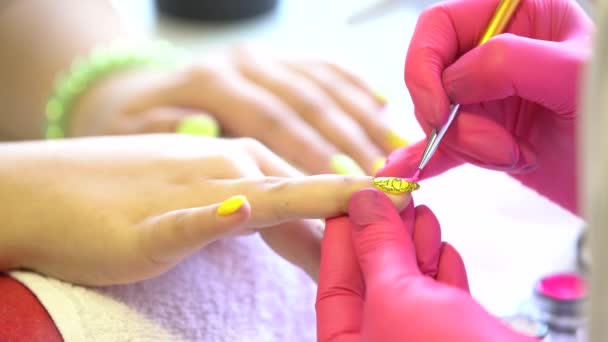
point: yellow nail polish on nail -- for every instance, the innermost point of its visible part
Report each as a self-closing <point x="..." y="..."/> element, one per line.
<point x="394" y="185"/>
<point x="379" y="164"/>
<point x="380" y="98"/>
<point x="396" y="141"/>
<point x="231" y="205"/>
<point x="201" y="125"/>
<point x="345" y="165"/>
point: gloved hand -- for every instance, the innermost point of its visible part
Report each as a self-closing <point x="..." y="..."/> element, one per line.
<point x="518" y="92"/>
<point x="386" y="277"/>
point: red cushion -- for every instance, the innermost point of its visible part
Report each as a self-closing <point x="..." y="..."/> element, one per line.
<point x="22" y="317"/>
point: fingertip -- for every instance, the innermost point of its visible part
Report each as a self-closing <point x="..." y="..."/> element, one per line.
<point x="368" y="204"/>
<point x="368" y="201"/>
<point x="236" y="205"/>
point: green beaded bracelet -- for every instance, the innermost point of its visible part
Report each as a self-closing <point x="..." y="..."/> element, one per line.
<point x="101" y="62"/>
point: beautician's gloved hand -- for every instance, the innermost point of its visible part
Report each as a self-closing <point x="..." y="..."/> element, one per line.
<point x="519" y="92"/>
<point x="386" y="277"/>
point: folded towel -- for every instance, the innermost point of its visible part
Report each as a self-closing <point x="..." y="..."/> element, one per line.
<point x="232" y="290"/>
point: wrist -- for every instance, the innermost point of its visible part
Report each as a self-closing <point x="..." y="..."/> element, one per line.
<point x="98" y="109"/>
<point x="94" y="73"/>
<point x="18" y="210"/>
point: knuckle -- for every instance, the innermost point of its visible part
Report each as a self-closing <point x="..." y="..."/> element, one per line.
<point x="249" y="144"/>
<point x="202" y="72"/>
<point x="496" y="53"/>
<point x="310" y="107"/>
<point x="430" y="13"/>
<point x="179" y="223"/>
<point x="229" y="167"/>
<point x="274" y="189"/>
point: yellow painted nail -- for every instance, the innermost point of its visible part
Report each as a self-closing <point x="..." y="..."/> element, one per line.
<point x="379" y="164"/>
<point x="394" y="185"/>
<point x="396" y="141"/>
<point x="379" y="97"/>
<point x="231" y="205"/>
<point x="345" y="165"/>
<point x="201" y="125"/>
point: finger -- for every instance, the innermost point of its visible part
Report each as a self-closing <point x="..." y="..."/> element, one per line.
<point x="264" y="116"/>
<point x="427" y="241"/>
<point x="340" y="291"/>
<point x="442" y="33"/>
<point x="297" y="241"/>
<point x="451" y="268"/>
<point x="509" y="65"/>
<point x="252" y="112"/>
<point x="318" y="109"/>
<point x="168" y="120"/>
<point x="404" y="162"/>
<point x="169" y="237"/>
<point x="383" y="245"/>
<point x="354" y="101"/>
<point x="277" y="199"/>
<point x="357" y="81"/>
<point x="479" y="139"/>
<point x="268" y="162"/>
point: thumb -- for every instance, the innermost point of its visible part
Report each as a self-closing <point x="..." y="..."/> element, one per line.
<point x="509" y="65"/>
<point x="381" y="239"/>
<point x="174" y="235"/>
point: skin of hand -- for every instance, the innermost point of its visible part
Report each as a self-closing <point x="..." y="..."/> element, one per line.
<point x="100" y="211"/>
<point x="518" y="92"/>
<point x="310" y="112"/>
<point x="388" y="277"/>
<point x="313" y="113"/>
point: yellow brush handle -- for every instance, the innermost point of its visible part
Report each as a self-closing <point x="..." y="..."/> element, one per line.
<point x="501" y="18"/>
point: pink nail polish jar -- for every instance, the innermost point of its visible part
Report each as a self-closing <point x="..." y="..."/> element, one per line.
<point x="560" y="301"/>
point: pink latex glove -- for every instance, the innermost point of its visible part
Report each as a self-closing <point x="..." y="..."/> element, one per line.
<point x="518" y="91"/>
<point x="386" y="277"/>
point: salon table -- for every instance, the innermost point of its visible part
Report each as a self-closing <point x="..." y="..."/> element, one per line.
<point x="508" y="235"/>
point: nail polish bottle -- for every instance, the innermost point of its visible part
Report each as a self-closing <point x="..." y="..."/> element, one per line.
<point x="559" y="301"/>
<point x="215" y="10"/>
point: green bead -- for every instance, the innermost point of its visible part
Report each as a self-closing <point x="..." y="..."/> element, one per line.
<point x="103" y="61"/>
<point x="54" y="110"/>
<point x="54" y="132"/>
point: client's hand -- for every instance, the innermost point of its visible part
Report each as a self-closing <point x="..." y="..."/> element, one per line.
<point x="102" y="211"/>
<point x="386" y="277"/>
<point x="310" y="112"/>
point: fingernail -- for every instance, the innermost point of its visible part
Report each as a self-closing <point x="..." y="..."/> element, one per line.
<point x="380" y="162"/>
<point x="231" y="205"/>
<point x="380" y="97"/>
<point x="394" y="185"/>
<point x="345" y="165"/>
<point x="396" y="141"/>
<point x="201" y="125"/>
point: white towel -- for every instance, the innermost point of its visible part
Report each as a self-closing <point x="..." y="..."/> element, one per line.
<point x="232" y="290"/>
